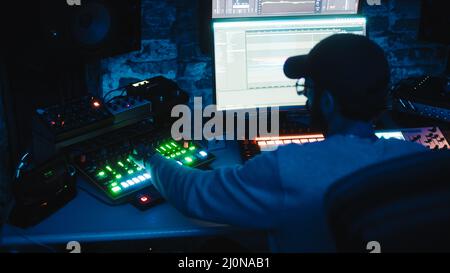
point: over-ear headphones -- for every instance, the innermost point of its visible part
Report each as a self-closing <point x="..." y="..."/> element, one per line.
<point x="41" y="189"/>
<point x="22" y="166"/>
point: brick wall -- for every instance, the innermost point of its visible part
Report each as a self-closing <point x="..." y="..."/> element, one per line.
<point x="170" y="45"/>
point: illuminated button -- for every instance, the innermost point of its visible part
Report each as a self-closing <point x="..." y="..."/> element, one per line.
<point x="288" y="141"/>
<point x="296" y="141"/>
<point x="320" y="139"/>
<point x="124" y="185"/>
<point x="162" y="148"/>
<point x="101" y="174"/>
<point x="183" y="152"/>
<point x="178" y="153"/>
<point x="118" y="176"/>
<point x="304" y="141"/>
<point x="109" y="168"/>
<point x="131" y="183"/>
<point x="313" y="140"/>
<point x="172" y="155"/>
<point x="147" y="175"/>
<point x="116" y="189"/>
<point x="203" y="153"/>
<point x="139" y="168"/>
<point x="168" y="157"/>
<point x="130" y="172"/>
<point x="96" y="104"/>
<point x="120" y="164"/>
<point x="188" y="159"/>
<point x="141" y="178"/>
<point x="192" y="148"/>
<point x="114" y="184"/>
<point x="168" y="147"/>
<point x="144" y="199"/>
<point x="173" y="144"/>
<point x="136" y="181"/>
<point x="180" y="163"/>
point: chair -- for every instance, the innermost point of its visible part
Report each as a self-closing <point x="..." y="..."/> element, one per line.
<point x="402" y="204"/>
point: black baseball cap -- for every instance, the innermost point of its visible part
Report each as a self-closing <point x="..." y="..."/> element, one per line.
<point x="352" y="67"/>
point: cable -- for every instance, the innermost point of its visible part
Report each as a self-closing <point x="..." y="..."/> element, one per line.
<point x="114" y="90"/>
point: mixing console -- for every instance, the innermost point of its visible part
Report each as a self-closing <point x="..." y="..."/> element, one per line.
<point x="105" y="161"/>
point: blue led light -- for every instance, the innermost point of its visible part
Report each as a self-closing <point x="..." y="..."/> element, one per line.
<point x="203" y="153"/>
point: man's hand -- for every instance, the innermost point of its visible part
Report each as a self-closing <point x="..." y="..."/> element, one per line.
<point x="142" y="154"/>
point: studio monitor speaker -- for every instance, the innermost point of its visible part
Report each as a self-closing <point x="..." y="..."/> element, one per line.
<point x="70" y="29"/>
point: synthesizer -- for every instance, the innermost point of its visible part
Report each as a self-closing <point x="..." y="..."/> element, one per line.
<point x="107" y="164"/>
<point x="60" y="126"/>
<point x="430" y="137"/>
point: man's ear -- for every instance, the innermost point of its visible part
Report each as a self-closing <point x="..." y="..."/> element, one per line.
<point x="327" y="104"/>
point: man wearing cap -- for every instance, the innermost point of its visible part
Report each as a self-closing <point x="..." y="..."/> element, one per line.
<point x="345" y="78"/>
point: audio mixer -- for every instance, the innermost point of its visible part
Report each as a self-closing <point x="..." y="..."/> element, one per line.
<point x="430" y="137"/>
<point x="106" y="160"/>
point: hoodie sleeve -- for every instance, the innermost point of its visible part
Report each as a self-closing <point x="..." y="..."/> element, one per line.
<point x="249" y="195"/>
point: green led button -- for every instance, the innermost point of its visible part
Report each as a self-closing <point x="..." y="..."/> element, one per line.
<point x="188" y="159"/>
<point x="192" y="148"/>
<point x="101" y="174"/>
<point x="109" y="168"/>
<point x="120" y="164"/>
<point x="168" y="147"/>
<point x="114" y="184"/>
<point x="118" y="176"/>
<point x="139" y="169"/>
<point x="130" y="172"/>
<point x="183" y="152"/>
<point x="172" y="155"/>
<point x="162" y="148"/>
<point x="173" y="144"/>
<point x="178" y="153"/>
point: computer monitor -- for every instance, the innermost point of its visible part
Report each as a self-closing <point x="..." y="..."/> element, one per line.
<point x="249" y="56"/>
<point x="272" y="8"/>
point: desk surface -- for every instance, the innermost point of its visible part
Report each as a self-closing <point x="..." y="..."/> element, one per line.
<point x="85" y="219"/>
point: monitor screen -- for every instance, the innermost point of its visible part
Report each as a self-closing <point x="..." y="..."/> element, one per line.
<point x="260" y="8"/>
<point x="249" y="58"/>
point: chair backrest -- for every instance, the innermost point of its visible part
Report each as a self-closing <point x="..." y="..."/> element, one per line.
<point x="402" y="204"/>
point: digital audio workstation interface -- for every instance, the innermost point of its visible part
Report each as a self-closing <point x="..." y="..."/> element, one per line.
<point x="257" y="8"/>
<point x="250" y="55"/>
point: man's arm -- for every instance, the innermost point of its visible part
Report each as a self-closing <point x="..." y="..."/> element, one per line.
<point x="250" y="195"/>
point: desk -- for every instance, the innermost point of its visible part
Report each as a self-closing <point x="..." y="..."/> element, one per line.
<point x="87" y="220"/>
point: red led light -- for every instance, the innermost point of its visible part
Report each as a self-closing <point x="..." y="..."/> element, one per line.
<point x="144" y="199"/>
